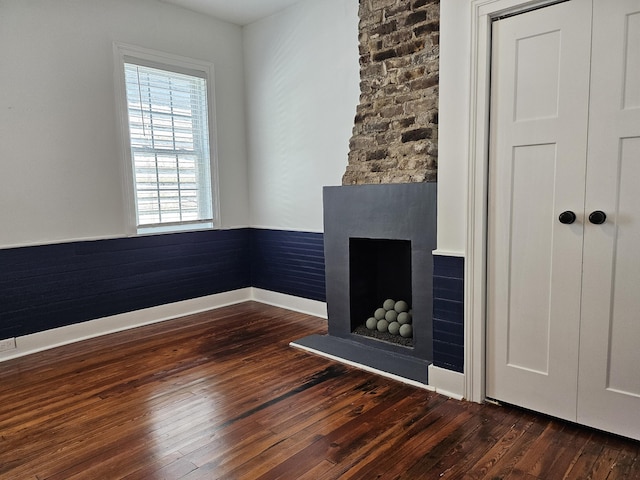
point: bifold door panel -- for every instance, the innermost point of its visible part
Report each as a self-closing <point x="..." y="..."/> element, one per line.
<point x="563" y="270"/>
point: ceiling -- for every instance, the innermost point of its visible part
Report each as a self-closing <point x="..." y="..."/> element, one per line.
<point x="240" y="12"/>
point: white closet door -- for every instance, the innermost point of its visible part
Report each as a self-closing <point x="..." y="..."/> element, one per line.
<point x="540" y="94"/>
<point x="609" y="381"/>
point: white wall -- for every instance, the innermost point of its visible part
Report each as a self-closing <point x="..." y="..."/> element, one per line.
<point x="302" y="83"/>
<point x="453" y="127"/>
<point x="61" y="175"/>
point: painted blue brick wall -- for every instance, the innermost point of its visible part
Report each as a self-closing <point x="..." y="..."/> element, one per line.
<point x="288" y="262"/>
<point x="49" y="286"/>
<point x="448" y="312"/>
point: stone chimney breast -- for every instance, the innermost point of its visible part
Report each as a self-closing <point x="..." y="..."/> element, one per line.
<point x="395" y="135"/>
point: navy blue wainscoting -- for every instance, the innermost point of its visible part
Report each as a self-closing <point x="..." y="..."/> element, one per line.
<point x="448" y="312"/>
<point x="49" y="286"/>
<point x="288" y="262"/>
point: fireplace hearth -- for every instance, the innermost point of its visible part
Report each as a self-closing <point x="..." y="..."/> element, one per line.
<point x="378" y="242"/>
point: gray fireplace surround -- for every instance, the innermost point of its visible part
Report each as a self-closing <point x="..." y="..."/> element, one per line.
<point x="378" y="243"/>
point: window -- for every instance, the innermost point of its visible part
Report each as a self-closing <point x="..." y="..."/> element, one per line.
<point x="168" y="142"/>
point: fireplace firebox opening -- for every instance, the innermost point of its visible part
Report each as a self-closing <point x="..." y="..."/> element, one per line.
<point x="380" y="289"/>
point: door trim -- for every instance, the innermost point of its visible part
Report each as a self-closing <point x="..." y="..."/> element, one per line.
<point x="482" y="14"/>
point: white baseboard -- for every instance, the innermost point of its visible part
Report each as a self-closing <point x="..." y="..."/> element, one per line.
<point x="441" y="380"/>
<point x="56" y="337"/>
<point x="297" y="304"/>
<point x="447" y="382"/>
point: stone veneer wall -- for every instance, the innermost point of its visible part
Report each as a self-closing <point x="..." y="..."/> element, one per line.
<point x="395" y="137"/>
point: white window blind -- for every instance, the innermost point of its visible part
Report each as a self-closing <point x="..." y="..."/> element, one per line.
<point x="169" y="138"/>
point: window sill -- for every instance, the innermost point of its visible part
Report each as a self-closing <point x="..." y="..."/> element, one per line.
<point x="159" y="229"/>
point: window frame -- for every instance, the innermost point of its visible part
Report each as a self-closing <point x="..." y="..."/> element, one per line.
<point x="124" y="53"/>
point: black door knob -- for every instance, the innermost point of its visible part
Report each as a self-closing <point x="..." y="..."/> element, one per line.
<point x="567" y="217"/>
<point x="597" y="217"/>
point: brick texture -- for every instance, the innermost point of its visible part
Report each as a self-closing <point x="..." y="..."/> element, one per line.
<point x="395" y="135"/>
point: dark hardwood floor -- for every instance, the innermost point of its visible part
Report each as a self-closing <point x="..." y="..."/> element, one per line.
<point x="222" y="395"/>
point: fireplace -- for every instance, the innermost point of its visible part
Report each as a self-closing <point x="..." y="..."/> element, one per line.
<point x="378" y="242"/>
<point x="380" y="225"/>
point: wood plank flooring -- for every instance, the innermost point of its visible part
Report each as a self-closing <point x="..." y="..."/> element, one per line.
<point x="222" y="395"/>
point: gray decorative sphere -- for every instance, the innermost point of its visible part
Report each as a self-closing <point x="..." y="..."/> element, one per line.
<point x="379" y="313"/>
<point x="372" y="323"/>
<point x="401" y="306"/>
<point x="382" y="326"/>
<point x="406" y="330"/>
<point x="391" y="316"/>
<point x="394" y="328"/>
<point x="388" y="304"/>
<point x="404" y="318"/>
